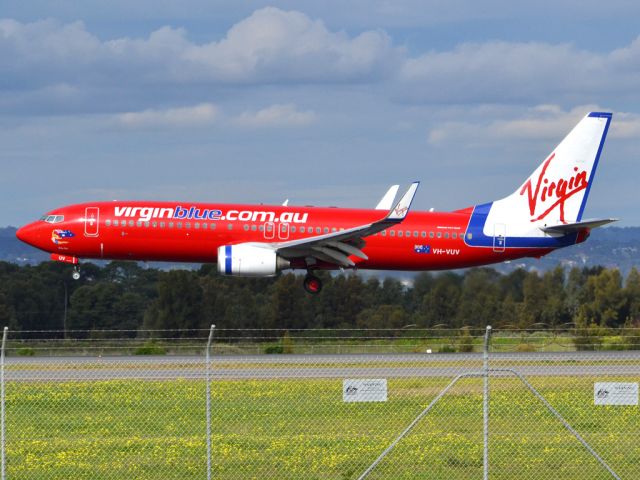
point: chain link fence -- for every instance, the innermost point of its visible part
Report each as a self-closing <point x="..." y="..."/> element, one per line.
<point x="321" y="404"/>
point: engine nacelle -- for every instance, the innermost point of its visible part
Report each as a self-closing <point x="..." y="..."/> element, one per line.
<point x="249" y="260"/>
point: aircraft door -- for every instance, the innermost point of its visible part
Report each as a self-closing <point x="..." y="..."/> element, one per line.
<point x="499" y="237"/>
<point x="91" y="221"/>
<point x="269" y="230"/>
<point x="283" y="231"/>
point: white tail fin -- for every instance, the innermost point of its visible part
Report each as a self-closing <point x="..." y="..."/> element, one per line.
<point x="556" y="193"/>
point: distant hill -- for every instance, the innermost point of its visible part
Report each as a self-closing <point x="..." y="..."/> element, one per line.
<point x="14" y="251"/>
<point x="611" y="247"/>
<point x="617" y="247"/>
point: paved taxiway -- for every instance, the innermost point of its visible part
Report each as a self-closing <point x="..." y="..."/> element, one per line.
<point x="595" y="364"/>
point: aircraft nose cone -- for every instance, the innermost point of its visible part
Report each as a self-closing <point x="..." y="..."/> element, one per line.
<point x="28" y="234"/>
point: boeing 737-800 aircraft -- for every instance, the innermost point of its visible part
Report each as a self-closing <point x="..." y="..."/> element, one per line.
<point x="543" y="214"/>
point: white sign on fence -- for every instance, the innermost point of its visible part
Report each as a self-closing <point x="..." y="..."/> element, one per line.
<point x="615" y="393"/>
<point x="364" y="390"/>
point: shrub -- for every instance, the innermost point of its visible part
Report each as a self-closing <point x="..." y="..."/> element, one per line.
<point x="525" y="347"/>
<point x="273" y="349"/>
<point x="287" y="343"/>
<point x="465" y="341"/>
<point x="589" y="338"/>
<point x="150" y="348"/>
<point x="447" y="349"/>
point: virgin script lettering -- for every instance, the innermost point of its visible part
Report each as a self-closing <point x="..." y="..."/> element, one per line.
<point x="557" y="191"/>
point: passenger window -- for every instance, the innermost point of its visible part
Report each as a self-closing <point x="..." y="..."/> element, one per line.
<point x="439" y="234"/>
<point x="400" y="233"/>
<point x="301" y="229"/>
<point x="469" y="236"/>
<point x="326" y="229"/>
<point x="415" y="233"/>
<point x="154" y="224"/>
<point x="146" y="224"/>
<point x="187" y="224"/>
<point x="196" y="225"/>
<point x="454" y="235"/>
<point x="170" y="224"/>
<point x="334" y="229"/>
<point x="161" y="224"/>
<point x="213" y="226"/>
<point x="179" y="225"/>
<point x="130" y="223"/>
<point x="116" y="223"/>
<point x="384" y="233"/>
<point x="423" y="234"/>
<point x="392" y="233"/>
<point x="253" y="228"/>
<point x="293" y="229"/>
<point x="230" y="226"/>
<point x="446" y="234"/>
<point x="269" y="227"/>
<point x="318" y="230"/>
<point x="261" y="228"/>
<point x="108" y="223"/>
<point x="205" y="225"/>
<point x="430" y="234"/>
<point x="246" y="227"/>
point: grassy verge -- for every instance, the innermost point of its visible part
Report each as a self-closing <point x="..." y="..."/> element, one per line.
<point x="293" y="429"/>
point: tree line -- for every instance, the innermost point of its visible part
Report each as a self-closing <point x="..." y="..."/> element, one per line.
<point x="127" y="296"/>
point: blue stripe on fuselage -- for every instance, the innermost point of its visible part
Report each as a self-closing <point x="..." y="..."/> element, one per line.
<point x="479" y="239"/>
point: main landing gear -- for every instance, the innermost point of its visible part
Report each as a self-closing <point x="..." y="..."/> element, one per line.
<point x="312" y="284"/>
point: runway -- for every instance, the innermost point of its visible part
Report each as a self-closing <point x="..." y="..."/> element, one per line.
<point x="317" y="366"/>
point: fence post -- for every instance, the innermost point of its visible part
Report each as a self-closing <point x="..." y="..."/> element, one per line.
<point x="3" y="427"/>
<point x="208" y="376"/>
<point x="485" y="403"/>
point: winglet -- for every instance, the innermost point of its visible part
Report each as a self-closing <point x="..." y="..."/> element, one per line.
<point x="387" y="201"/>
<point x="402" y="207"/>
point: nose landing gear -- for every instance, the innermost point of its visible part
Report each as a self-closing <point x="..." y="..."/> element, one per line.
<point x="76" y="273"/>
<point x="312" y="284"/>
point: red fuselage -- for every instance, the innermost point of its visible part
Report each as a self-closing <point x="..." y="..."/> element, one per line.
<point x="174" y="232"/>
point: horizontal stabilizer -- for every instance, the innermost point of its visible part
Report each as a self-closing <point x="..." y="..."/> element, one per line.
<point x="574" y="227"/>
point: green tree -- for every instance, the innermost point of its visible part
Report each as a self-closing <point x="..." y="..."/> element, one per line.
<point x="179" y="303"/>
<point x="607" y="304"/>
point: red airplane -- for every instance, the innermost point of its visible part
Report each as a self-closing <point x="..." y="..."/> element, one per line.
<point x="543" y="214"/>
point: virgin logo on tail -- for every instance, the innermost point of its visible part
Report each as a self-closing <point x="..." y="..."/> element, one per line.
<point x="555" y="191"/>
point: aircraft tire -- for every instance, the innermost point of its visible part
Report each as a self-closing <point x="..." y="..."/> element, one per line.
<point x="312" y="284"/>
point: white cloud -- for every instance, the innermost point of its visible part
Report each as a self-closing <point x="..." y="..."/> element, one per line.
<point x="283" y="48"/>
<point x="197" y="115"/>
<point x="279" y="115"/>
<point x="502" y="72"/>
<point x="270" y="45"/>
<point x="543" y="122"/>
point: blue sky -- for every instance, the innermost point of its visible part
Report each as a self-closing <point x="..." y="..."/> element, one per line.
<point x="323" y="103"/>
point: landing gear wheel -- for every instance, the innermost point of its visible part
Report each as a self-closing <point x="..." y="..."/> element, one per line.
<point x="312" y="284"/>
<point x="76" y="274"/>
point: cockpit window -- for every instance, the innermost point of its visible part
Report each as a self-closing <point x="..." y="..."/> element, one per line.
<point x="52" y="218"/>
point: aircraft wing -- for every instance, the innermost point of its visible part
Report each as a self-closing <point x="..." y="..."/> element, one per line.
<point x="336" y="247"/>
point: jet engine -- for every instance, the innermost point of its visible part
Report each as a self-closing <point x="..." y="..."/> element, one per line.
<point x="249" y="260"/>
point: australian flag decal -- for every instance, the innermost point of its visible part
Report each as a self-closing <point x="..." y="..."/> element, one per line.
<point x="422" y="248"/>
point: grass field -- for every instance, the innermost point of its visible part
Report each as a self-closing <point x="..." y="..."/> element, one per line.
<point x="301" y="429"/>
